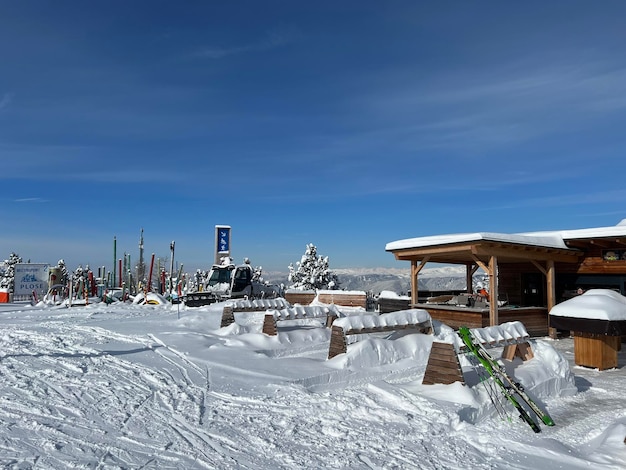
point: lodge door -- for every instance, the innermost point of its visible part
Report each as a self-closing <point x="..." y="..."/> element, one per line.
<point x="533" y="290"/>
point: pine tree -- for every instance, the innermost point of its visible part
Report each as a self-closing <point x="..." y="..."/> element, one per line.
<point x="312" y="272"/>
<point x="7" y="269"/>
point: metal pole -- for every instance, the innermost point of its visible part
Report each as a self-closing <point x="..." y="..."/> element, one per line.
<point x="114" y="258"/>
<point x="172" y="266"/>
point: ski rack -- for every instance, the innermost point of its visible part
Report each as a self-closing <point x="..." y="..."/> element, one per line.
<point x="512" y="390"/>
<point x="411" y="319"/>
<point x="443" y="363"/>
<point x="327" y="312"/>
<point x="246" y="305"/>
<point x="512" y="336"/>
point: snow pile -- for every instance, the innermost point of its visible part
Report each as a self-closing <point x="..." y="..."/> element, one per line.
<point x="598" y="304"/>
<point x="400" y="318"/>
<point x="548" y="374"/>
<point x="376" y="352"/>
<point x="387" y="294"/>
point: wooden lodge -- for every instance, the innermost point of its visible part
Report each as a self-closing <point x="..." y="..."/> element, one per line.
<point x="535" y="270"/>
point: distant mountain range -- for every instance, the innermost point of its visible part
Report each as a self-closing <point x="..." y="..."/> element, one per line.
<point x="397" y="280"/>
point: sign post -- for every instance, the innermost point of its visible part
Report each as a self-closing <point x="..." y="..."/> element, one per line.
<point x="29" y="278"/>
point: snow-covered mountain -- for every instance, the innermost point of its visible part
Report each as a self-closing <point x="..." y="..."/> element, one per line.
<point x="397" y="280"/>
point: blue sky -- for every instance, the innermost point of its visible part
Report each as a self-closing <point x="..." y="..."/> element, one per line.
<point x="343" y="124"/>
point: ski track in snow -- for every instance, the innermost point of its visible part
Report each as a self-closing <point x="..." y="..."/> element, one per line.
<point x="76" y="394"/>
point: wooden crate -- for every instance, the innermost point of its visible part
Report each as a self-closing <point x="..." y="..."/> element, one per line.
<point x="386" y="305"/>
<point x="535" y="319"/>
<point x="344" y="298"/>
<point x="302" y="298"/>
<point x="595" y="350"/>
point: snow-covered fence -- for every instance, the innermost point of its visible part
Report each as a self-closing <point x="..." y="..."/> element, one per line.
<point x="244" y="305"/>
<point x="328" y="312"/>
<point x="417" y="319"/>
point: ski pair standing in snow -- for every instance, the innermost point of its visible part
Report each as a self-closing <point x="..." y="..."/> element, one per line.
<point x="513" y="391"/>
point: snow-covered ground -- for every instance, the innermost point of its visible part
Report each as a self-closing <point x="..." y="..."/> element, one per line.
<point x="161" y="386"/>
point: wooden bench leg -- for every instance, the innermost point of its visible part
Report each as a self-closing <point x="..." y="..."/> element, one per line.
<point x="269" y="325"/>
<point x="521" y="350"/>
<point x="337" y="342"/>
<point x="228" y="316"/>
<point x="443" y="365"/>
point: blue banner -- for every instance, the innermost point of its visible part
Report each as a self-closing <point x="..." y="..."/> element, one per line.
<point x="223" y="239"/>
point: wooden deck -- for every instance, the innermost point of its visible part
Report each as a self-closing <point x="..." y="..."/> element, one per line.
<point x="535" y="319"/>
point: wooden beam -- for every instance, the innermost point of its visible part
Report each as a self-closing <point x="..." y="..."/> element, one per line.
<point x="420" y="252"/>
<point x="539" y="267"/>
<point x="526" y="253"/>
<point x="480" y="264"/>
<point x="603" y="243"/>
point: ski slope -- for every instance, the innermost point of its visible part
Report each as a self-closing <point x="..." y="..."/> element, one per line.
<point x="130" y="386"/>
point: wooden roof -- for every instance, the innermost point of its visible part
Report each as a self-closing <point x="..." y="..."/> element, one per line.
<point x="462" y="251"/>
<point x="559" y="246"/>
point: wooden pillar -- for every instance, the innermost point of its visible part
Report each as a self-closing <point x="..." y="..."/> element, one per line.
<point x="550" y="284"/>
<point x="415" y="269"/>
<point x="470" y="269"/>
<point x="414" y="272"/>
<point x="549" y="273"/>
<point x="493" y="291"/>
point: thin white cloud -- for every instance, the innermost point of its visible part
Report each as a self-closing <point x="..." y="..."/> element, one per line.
<point x="515" y="104"/>
<point x="31" y="200"/>
<point x="272" y="40"/>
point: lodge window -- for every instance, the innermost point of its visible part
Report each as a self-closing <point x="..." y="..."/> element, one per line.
<point x="613" y="255"/>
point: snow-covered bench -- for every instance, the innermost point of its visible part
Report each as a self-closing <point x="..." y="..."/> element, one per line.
<point x="327" y="312"/>
<point x="245" y="305"/>
<point x="512" y="335"/>
<point x="364" y="323"/>
<point x="443" y="363"/>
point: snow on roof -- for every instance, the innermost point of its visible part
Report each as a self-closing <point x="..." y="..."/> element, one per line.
<point x="597" y="304"/>
<point x="549" y="240"/>
<point x="618" y="230"/>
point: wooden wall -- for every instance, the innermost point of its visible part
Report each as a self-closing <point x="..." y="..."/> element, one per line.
<point x="593" y="262"/>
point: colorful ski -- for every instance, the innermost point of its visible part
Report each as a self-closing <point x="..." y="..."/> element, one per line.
<point x="512" y="390"/>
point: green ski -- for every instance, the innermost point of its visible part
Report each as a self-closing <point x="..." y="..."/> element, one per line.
<point x="512" y="390"/>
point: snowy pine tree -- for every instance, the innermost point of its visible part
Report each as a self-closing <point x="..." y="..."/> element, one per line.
<point x="7" y="271"/>
<point x="312" y="272"/>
